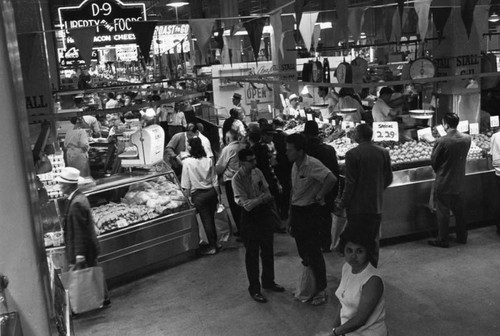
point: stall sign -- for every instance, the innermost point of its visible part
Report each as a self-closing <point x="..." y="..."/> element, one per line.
<point x="494" y="121"/>
<point x="111" y="17"/>
<point x="71" y="57"/>
<point x="463" y="126"/>
<point x="441" y="130"/>
<point x="474" y="128"/>
<point x="309" y="117"/>
<point x="126" y="53"/>
<point x="168" y="37"/>
<point x="385" y="131"/>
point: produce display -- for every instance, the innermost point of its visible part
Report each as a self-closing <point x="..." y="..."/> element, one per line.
<point x="142" y="202"/>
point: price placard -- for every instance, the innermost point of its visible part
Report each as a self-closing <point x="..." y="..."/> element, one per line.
<point x="347" y="124"/>
<point x="385" y="131"/>
<point x="309" y="117"/>
<point x="494" y="122"/>
<point x="440" y="130"/>
<point x="474" y="128"/>
<point x="463" y="126"/>
<point x="424" y="133"/>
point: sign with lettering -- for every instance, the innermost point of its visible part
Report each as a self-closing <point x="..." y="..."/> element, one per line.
<point x="168" y="37"/>
<point x="126" y="53"/>
<point x="424" y="134"/>
<point x="494" y="121"/>
<point x="463" y="126"/>
<point x="111" y="17"/>
<point x="385" y="131"/>
<point x="71" y="57"/>
<point x="259" y="91"/>
<point x="441" y="130"/>
<point x="474" y="128"/>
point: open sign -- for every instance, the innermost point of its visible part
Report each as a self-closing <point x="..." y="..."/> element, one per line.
<point x="254" y="92"/>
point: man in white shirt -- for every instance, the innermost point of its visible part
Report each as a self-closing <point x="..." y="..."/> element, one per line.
<point x="495" y="152"/>
<point x="294" y="110"/>
<point x="112" y="102"/>
<point x="381" y="110"/>
<point x="237" y="103"/>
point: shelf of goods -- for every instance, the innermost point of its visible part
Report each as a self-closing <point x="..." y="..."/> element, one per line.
<point x="407" y="207"/>
<point x="144" y="222"/>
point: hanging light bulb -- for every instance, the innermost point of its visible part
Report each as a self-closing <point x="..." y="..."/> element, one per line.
<point x="177" y="4"/>
<point x="494" y="18"/>
<point x="362" y="36"/>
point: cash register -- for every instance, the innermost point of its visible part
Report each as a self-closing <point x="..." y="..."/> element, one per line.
<point x="147" y="144"/>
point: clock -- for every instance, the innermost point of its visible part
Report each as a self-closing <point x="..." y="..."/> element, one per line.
<point x="344" y="73"/>
<point x="422" y="68"/>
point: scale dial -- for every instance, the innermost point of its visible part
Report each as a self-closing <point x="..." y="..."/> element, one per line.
<point x="343" y="73"/>
<point x="422" y="68"/>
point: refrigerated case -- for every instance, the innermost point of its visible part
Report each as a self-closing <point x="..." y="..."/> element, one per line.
<point x="144" y="223"/>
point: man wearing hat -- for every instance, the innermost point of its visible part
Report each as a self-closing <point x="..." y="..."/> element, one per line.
<point x="237" y="103"/>
<point x="294" y="110"/>
<point x="80" y="238"/>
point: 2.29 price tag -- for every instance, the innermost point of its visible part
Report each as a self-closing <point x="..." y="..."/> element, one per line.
<point x="385" y="131"/>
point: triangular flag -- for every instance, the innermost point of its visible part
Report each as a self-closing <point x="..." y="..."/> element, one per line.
<point x="299" y="8"/>
<point x="368" y="21"/>
<point x="26" y="43"/>
<point x="422" y="8"/>
<point x="84" y="40"/>
<point x="468" y="14"/>
<point x="481" y="15"/>
<point x="388" y="19"/>
<point x="354" y="21"/>
<point x="401" y="8"/>
<point x="219" y="39"/>
<point x="202" y="30"/>
<point x="255" y="27"/>
<point x="396" y="27"/>
<point x="342" y="19"/>
<point x="410" y="21"/>
<point x="316" y="35"/>
<point x="143" y="31"/>
<point x="440" y="17"/>
<point x="307" y="27"/>
<point x="275" y="22"/>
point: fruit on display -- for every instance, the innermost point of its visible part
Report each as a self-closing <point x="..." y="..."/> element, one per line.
<point x="142" y="202"/>
<point x="410" y="151"/>
<point x="342" y="146"/>
<point x="475" y="153"/>
<point x="482" y="141"/>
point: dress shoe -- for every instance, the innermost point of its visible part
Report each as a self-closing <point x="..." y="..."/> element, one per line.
<point x="275" y="288"/>
<point x="438" y="243"/>
<point x="258" y="297"/>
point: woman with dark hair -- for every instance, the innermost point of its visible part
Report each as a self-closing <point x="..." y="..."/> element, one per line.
<point x="361" y="291"/>
<point x="199" y="180"/>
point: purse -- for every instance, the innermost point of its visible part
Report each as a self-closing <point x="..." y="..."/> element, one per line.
<point x="306" y="286"/>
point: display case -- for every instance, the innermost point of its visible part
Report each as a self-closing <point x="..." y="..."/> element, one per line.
<point x="144" y="222"/>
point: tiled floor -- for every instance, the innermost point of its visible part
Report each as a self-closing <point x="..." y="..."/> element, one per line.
<point x="429" y="291"/>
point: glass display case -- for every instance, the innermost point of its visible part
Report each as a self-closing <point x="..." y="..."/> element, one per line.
<point x="144" y="222"/>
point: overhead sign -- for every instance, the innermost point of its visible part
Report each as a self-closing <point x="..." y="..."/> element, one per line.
<point x="126" y="53"/>
<point x="385" y="131"/>
<point x="111" y="17"/>
<point x="71" y="57"/>
<point x="168" y="37"/>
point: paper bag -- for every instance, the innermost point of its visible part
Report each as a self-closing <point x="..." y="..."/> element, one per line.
<point x="86" y="289"/>
<point x="338" y="226"/>
<point x="306" y="287"/>
<point x="222" y="224"/>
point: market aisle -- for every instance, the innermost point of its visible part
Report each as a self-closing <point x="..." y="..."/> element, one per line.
<point x="429" y="291"/>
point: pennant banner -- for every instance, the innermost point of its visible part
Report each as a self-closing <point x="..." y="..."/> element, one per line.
<point x="306" y="28"/>
<point x="143" y="31"/>
<point x="316" y="35"/>
<point x="354" y="21"/>
<point x="341" y="28"/>
<point x="299" y="8"/>
<point x="255" y="27"/>
<point x="396" y="27"/>
<point x="422" y="8"/>
<point x="202" y="30"/>
<point x="468" y="14"/>
<point x="84" y="40"/>
<point x="26" y="43"/>
<point x="440" y="17"/>
<point x="388" y="21"/>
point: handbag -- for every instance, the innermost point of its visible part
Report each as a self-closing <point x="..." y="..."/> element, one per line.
<point x="86" y="288"/>
<point x="306" y="286"/>
<point x="222" y="223"/>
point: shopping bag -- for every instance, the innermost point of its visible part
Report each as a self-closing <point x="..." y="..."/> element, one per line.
<point x="339" y="222"/>
<point x="306" y="286"/>
<point x="201" y="231"/>
<point x="86" y="289"/>
<point x="10" y="324"/>
<point x="222" y="224"/>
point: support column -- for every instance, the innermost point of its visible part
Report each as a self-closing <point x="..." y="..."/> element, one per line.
<point x="21" y="247"/>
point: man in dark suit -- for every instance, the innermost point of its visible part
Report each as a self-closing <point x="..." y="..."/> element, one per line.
<point x="80" y="238"/>
<point x="328" y="157"/>
<point x="368" y="172"/>
<point x="448" y="159"/>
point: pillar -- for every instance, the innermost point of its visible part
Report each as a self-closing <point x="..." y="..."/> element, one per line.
<point x="22" y="256"/>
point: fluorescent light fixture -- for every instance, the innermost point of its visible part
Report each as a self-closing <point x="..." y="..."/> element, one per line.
<point x="494" y="18"/>
<point x="177" y="4"/>
<point x="325" y="25"/>
<point x="241" y="32"/>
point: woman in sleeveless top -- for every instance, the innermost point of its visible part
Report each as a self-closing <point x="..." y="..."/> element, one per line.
<point x="361" y="291"/>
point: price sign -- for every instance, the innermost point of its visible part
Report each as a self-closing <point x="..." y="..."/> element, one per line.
<point x="474" y="128"/>
<point x="424" y="132"/>
<point x="309" y="117"/>
<point x="463" y="126"/>
<point x="385" y="131"/>
<point x="441" y="130"/>
<point x="333" y="122"/>
<point x="347" y="124"/>
<point x="494" y="122"/>
<point x="363" y="122"/>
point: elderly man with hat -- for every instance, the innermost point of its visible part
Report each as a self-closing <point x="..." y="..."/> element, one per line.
<point x="80" y="238"/>
<point x="294" y="110"/>
<point x="237" y="103"/>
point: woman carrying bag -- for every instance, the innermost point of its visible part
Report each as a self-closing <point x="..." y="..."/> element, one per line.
<point x="200" y="182"/>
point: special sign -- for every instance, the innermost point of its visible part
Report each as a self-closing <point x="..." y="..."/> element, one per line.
<point x="111" y="17"/>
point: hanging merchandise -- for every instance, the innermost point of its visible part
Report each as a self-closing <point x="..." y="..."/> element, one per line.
<point x="488" y="64"/>
<point x="326" y="71"/>
<point x="344" y="73"/>
<point x="359" y="69"/>
<point x="307" y="72"/>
